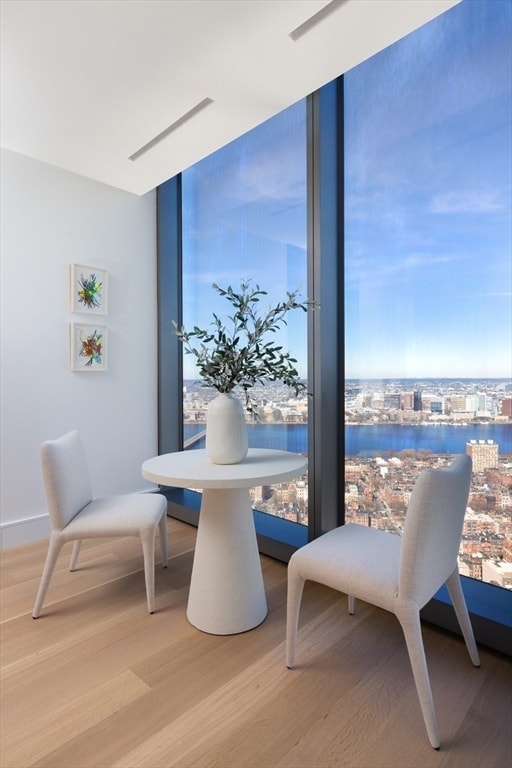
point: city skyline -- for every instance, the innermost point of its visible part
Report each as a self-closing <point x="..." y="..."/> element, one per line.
<point x="428" y="243"/>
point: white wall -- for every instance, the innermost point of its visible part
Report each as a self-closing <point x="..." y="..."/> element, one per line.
<point x="49" y="219"/>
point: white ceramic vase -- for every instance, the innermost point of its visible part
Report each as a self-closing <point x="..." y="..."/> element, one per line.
<point x="226" y="430"/>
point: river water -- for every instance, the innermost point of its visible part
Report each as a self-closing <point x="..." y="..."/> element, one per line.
<point x="371" y="440"/>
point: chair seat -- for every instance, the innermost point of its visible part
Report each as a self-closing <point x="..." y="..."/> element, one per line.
<point x="334" y="559"/>
<point x="114" y="515"/>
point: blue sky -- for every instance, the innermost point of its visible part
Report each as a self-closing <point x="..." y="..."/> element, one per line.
<point x="428" y="159"/>
<point x="244" y="217"/>
<point x="428" y="264"/>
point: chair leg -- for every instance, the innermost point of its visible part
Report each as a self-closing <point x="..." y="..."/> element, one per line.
<point x="163" y="539"/>
<point x="295" y="590"/>
<point x="410" y="621"/>
<point x="147" y="537"/>
<point x="461" y="611"/>
<point x="54" y="548"/>
<point x="74" y="555"/>
<point x="351" y="604"/>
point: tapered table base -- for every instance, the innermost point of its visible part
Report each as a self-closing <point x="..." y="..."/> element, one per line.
<point x="227" y="595"/>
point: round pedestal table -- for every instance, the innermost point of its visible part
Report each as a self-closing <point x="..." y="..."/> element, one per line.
<point x="226" y="595"/>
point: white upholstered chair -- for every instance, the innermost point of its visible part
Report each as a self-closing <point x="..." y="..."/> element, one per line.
<point x="75" y="515"/>
<point x="397" y="574"/>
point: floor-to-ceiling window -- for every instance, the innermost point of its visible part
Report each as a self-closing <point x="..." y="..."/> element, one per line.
<point x="243" y="219"/>
<point x="425" y="243"/>
<point x="428" y="269"/>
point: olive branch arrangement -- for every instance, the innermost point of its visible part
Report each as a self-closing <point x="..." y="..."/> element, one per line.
<point x="235" y="352"/>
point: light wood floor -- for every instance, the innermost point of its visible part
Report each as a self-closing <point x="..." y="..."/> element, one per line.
<point x="97" y="682"/>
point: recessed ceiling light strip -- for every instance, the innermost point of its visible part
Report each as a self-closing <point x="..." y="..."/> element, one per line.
<point x="307" y="25"/>
<point x="177" y="123"/>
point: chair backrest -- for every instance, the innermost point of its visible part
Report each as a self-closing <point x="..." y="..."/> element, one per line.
<point x="66" y="478"/>
<point x="433" y="529"/>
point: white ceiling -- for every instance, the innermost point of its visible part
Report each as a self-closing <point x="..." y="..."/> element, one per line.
<point x="87" y="83"/>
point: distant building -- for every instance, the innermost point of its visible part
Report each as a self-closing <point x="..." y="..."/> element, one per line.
<point x="497" y="572"/>
<point x="506" y="407"/>
<point x="473" y="403"/>
<point x="458" y="403"/>
<point x="484" y="454"/>
<point x="407" y="401"/>
<point x="302" y="491"/>
<point x="392" y="400"/>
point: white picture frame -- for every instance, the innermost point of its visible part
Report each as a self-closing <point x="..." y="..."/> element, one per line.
<point x="88" y="290"/>
<point x="88" y="347"/>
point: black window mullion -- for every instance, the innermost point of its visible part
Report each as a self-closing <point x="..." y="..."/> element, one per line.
<point x="325" y="291"/>
<point x="170" y="386"/>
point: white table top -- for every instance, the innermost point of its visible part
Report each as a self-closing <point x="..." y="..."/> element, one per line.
<point x="193" y="469"/>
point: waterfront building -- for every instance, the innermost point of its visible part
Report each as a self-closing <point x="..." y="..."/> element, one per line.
<point x="392" y="401"/>
<point x="437" y="405"/>
<point x="458" y="403"/>
<point x="407" y="401"/>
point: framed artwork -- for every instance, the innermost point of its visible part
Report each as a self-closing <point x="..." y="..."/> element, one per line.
<point x="88" y="347"/>
<point x="89" y="287"/>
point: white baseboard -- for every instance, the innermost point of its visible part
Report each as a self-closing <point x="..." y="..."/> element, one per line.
<point x="24" y="531"/>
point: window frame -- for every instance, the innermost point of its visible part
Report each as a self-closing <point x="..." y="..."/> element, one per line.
<point x="325" y="224"/>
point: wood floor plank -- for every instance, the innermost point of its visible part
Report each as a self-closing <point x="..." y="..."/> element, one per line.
<point x="30" y="737"/>
<point x="97" y="682"/>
